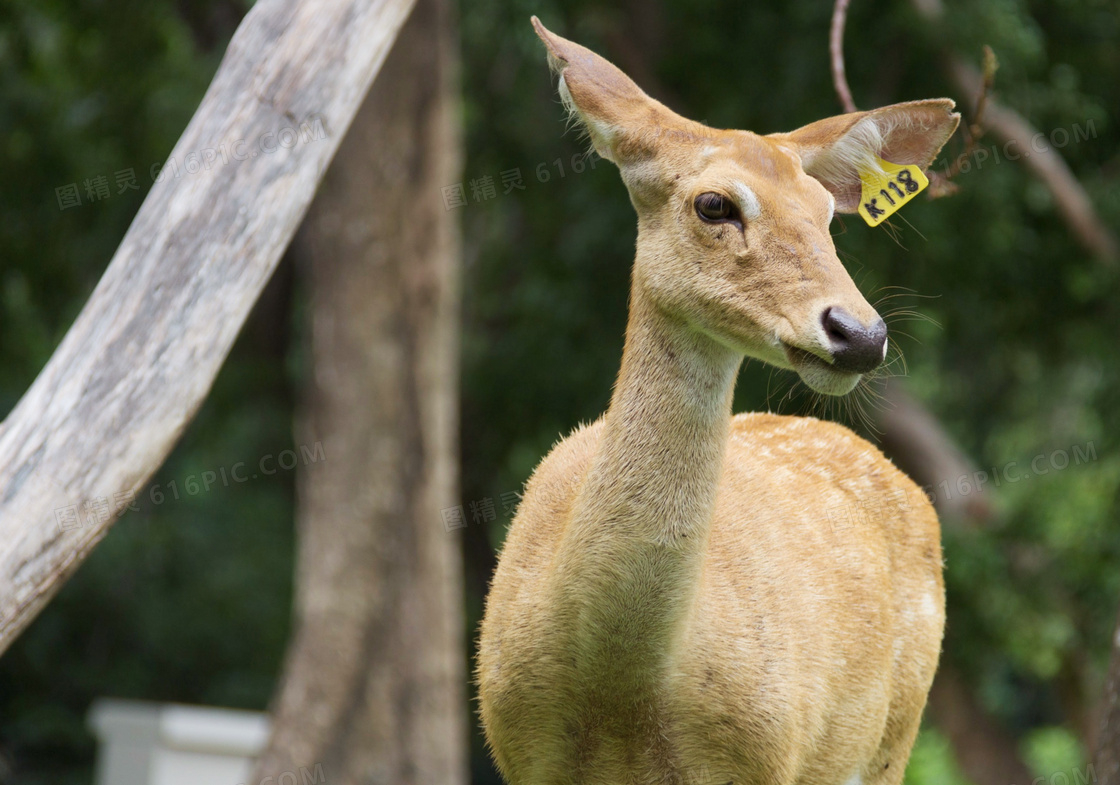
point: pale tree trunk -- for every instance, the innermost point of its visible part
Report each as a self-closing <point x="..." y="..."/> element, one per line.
<point x="374" y="685"/>
<point x="140" y="358"/>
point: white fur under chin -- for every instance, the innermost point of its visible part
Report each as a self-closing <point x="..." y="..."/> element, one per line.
<point x="827" y="381"/>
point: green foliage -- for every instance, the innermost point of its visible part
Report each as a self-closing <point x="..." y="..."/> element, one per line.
<point x="932" y="762"/>
<point x="1052" y="751"/>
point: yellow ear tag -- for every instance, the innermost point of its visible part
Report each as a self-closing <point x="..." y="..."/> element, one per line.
<point x="886" y="191"/>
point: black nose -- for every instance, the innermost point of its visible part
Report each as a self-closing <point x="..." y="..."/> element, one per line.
<point x="855" y="348"/>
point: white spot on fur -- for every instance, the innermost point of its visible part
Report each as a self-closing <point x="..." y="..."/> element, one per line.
<point x="749" y="205"/>
<point x="855" y="779"/>
<point x="930" y="607"/>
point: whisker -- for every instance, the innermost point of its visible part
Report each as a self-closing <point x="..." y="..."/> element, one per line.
<point x="908" y="335"/>
<point x="913" y="227"/>
<point x="907" y="294"/>
<point x="896" y="316"/>
<point x="895" y="233"/>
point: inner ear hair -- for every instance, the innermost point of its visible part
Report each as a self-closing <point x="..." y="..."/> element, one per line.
<point x="597" y="140"/>
<point x="837" y="150"/>
<point x="859" y="150"/>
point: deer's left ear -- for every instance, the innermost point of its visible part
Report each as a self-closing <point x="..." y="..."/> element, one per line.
<point x="625" y="124"/>
<point x="835" y="150"/>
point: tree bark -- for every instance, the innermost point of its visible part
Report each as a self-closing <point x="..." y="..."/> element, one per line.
<point x="1106" y="759"/>
<point x="374" y="685"/>
<point x="143" y="353"/>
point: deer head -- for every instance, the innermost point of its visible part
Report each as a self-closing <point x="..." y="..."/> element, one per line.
<point x="733" y="227"/>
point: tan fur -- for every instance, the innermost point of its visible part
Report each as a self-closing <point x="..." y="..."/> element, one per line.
<point x="687" y="597"/>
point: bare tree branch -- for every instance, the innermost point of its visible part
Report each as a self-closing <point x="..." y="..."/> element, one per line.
<point x="1046" y="163"/>
<point x="1049" y="167"/>
<point x="836" y="55"/>
<point x="143" y="353"/>
<point x="940" y="182"/>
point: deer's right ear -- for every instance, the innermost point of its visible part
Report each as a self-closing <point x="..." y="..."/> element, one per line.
<point x="837" y="149"/>
<point x="623" y="122"/>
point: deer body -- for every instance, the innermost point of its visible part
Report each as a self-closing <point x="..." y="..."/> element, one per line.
<point x="686" y="596"/>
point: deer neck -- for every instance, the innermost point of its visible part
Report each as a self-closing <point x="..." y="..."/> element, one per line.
<point x="632" y="552"/>
<point x="661" y="452"/>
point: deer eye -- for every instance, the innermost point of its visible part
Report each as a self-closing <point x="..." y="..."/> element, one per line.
<point x="715" y="208"/>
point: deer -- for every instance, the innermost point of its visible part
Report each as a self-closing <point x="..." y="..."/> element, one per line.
<point x="687" y="596"/>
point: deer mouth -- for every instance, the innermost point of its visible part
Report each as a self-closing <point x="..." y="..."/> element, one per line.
<point x="819" y="374"/>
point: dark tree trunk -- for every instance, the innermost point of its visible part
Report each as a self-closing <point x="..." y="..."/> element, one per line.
<point x="374" y="687"/>
<point x="1106" y="761"/>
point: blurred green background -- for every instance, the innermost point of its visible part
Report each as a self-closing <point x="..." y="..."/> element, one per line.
<point x="188" y="599"/>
